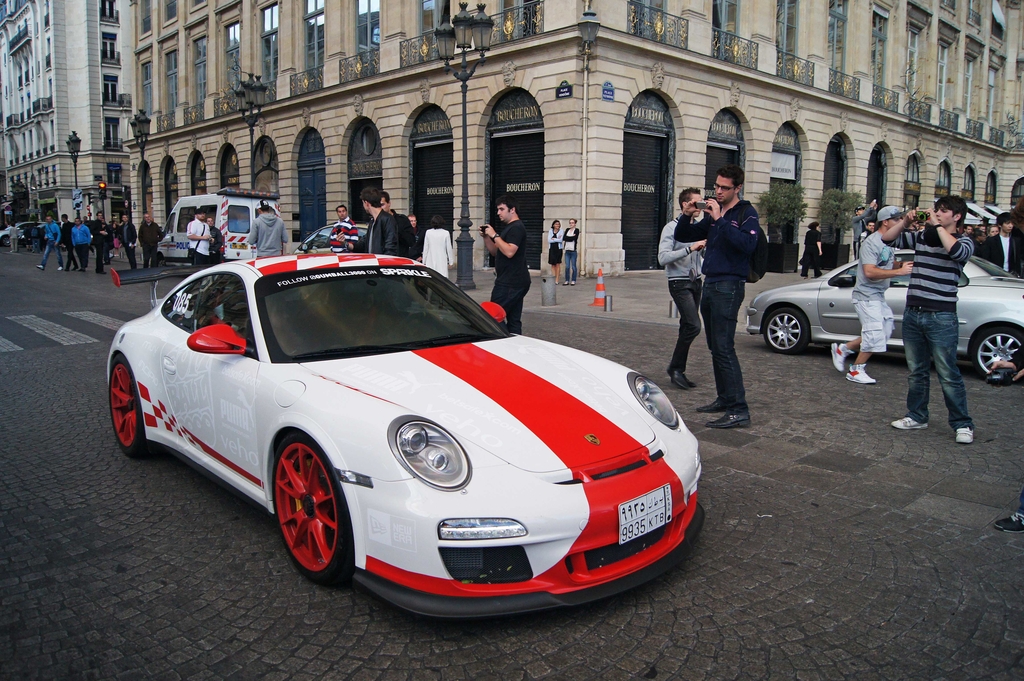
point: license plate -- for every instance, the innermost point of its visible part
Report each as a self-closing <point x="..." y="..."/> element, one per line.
<point x="644" y="514"/>
<point x="240" y="247"/>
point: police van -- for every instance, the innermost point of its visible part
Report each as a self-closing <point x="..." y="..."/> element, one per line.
<point x="233" y="211"/>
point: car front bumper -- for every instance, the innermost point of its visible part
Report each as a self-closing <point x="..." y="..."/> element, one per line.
<point x="469" y="607"/>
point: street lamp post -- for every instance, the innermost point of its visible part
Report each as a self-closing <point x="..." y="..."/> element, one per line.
<point x="462" y="32"/>
<point x="251" y="95"/>
<point x="74" y="143"/>
<point x="140" y="131"/>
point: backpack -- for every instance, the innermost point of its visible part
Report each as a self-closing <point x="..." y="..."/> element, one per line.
<point x="759" y="258"/>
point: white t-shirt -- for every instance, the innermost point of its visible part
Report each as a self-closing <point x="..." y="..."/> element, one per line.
<point x="1006" y="251"/>
<point x="199" y="228"/>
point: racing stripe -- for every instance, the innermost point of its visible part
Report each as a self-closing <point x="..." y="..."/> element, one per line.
<point x="559" y="419"/>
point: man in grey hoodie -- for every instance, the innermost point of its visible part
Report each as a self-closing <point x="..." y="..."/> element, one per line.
<point x="859" y="223"/>
<point x="682" y="262"/>
<point x="268" y="233"/>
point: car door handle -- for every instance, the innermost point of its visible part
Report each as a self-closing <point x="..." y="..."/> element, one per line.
<point x="169" y="366"/>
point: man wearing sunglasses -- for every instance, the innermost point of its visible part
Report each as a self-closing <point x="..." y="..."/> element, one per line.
<point x="730" y="228"/>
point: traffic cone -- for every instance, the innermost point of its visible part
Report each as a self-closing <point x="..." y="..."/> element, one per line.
<point x="599" y="293"/>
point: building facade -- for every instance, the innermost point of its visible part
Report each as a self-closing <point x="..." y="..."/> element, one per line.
<point x="898" y="100"/>
<point x="62" y="72"/>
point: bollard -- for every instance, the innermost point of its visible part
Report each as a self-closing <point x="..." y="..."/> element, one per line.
<point x="673" y="310"/>
<point x="608" y="303"/>
<point x="548" y="286"/>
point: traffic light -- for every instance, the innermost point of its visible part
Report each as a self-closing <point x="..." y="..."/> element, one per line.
<point x="103" y="190"/>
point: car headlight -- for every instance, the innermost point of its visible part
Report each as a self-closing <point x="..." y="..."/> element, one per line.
<point x="480" y="528"/>
<point x="653" y="399"/>
<point x="428" y="452"/>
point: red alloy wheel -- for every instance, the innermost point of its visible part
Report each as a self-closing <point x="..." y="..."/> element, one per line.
<point x="307" y="508"/>
<point x="122" y="405"/>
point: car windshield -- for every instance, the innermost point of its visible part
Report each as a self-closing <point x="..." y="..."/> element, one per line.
<point x="325" y="314"/>
<point x="989" y="268"/>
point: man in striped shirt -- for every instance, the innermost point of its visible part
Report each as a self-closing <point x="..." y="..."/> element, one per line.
<point x="930" y="324"/>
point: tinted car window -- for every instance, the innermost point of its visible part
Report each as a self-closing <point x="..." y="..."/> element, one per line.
<point x="180" y="307"/>
<point x="320" y="238"/>
<point x="222" y="300"/>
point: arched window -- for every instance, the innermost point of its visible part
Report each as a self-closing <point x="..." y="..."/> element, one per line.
<point x="968" y="191"/>
<point x="877" y="171"/>
<point x="170" y="185"/>
<point x="1017" y="192"/>
<point x="266" y="165"/>
<point x="912" y="183"/>
<point x="229" y="176"/>
<point x="146" y="184"/>
<point x="943" y="180"/>
<point x="835" y="164"/>
<point x="197" y="174"/>
<point x="990" y="188"/>
<point x="725" y="145"/>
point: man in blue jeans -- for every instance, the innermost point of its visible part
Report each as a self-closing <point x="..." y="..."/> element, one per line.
<point x="512" y="280"/>
<point x="930" y="324"/>
<point x="51" y="235"/>
<point x="730" y="228"/>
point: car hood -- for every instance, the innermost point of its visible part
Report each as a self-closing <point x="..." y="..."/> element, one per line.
<point x="521" y="399"/>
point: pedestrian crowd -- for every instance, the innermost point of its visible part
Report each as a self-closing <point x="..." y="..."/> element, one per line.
<point x="75" y="238"/>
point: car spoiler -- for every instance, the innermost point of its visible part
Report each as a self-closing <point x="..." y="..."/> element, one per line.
<point x="152" y="275"/>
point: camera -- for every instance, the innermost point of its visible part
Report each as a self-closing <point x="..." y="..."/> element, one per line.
<point x="1000" y="377"/>
<point x="700" y="205"/>
<point x="921" y="216"/>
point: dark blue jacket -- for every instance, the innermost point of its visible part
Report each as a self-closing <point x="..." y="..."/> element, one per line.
<point x="730" y="244"/>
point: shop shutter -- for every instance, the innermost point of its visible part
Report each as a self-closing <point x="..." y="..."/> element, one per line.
<point x="517" y="168"/>
<point x="643" y="200"/>
<point x="716" y="158"/>
<point x="834" y="171"/>
<point x="432" y="176"/>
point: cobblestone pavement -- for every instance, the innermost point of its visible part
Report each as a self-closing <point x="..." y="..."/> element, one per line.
<point x="835" y="547"/>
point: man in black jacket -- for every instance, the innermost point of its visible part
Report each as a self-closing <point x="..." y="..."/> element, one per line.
<point x="98" y="229"/>
<point x="1004" y="249"/>
<point x="406" y="232"/>
<point x="128" y="238"/>
<point x="381" y="236"/>
<point x="731" y="230"/>
<point x="65" y="240"/>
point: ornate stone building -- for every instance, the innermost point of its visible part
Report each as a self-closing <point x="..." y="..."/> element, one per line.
<point x="899" y="100"/>
<point x="62" y="71"/>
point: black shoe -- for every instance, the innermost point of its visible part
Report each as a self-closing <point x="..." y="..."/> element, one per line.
<point x="680" y="380"/>
<point x="712" y="408"/>
<point x="730" y="421"/>
<point x="1015" y="523"/>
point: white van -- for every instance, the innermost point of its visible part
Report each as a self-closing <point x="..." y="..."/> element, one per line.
<point x="233" y="211"/>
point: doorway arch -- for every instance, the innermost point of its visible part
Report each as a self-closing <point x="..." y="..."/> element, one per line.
<point x="229" y="175"/>
<point x="365" y="166"/>
<point x="170" y="184"/>
<point x="877" y="171"/>
<point x="432" y="182"/>
<point x="266" y="166"/>
<point x="725" y="146"/>
<point x="312" y="171"/>
<point x="835" y="164"/>
<point x="197" y="174"/>
<point x="648" y="136"/>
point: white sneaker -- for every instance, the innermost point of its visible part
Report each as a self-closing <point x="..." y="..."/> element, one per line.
<point x="907" y="423"/>
<point x="839" y="355"/>
<point x="965" y="436"/>
<point x="858" y="375"/>
<point x="60" y="269"/>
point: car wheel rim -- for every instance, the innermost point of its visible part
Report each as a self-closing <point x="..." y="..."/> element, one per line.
<point x="1000" y="346"/>
<point x="306" y="507"/>
<point x="784" y="331"/>
<point x="122" y="405"/>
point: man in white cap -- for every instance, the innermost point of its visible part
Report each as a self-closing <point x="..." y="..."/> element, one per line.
<point x="875" y="270"/>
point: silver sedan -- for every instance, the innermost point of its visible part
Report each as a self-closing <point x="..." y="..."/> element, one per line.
<point x="990" y="308"/>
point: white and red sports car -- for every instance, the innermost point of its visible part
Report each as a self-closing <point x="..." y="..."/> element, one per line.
<point x="404" y="440"/>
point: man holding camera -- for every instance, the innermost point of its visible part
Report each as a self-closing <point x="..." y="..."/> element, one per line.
<point x="512" y="280"/>
<point x="930" y="324"/>
<point x="876" y="269"/>
<point x="731" y="232"/>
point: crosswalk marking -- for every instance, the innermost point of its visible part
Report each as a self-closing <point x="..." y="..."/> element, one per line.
<point x="97" y="318"/>
<point x="56" y="332"/>
<point x="8" y="346"/>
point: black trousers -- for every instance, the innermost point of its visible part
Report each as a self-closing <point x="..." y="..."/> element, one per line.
<point x="148" y="255"/>
<point x="686" y="295"/>
<point x="811" y="259"/>
<point x="101" y="251"/>
<point x="72" y="260"/>
<point x="129" y="252"/>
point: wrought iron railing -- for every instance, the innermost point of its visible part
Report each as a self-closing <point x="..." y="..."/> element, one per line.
<point x="734" y="49"/>
<point x="362" y="65"/>
<point x="996" y="136"/>
<point x="653" y="24"/>
<point x="307" y="81"/>
<point x="194" y="114"/>
<point x="19" y="37"/>
<point x="518" y="22"/>
<point x="110" y="16"/>
<point x="418" y="50"/>
<point x="843" y="85"/>
<point x="112" y="145"/>
<point x="223" y="106"/>
<point x="794" y="68"/>
<point x="974" y="17"/>
<point x="885" y="98"/>
<point x="919" y="111"/>
<point x="948" y="4"/>
<point x="124" y="101"/>
<point x="950" y="120"/>
<point x="975" y="129"/>
<point x="272" y="91"/>
<point x="165" y="122"/>
<point x="112" y="58"/>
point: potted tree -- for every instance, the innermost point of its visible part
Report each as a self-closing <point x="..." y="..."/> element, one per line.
<point x="835" y="212"/>
<point x="781" y="206"/>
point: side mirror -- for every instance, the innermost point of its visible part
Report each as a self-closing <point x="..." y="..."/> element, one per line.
<point x="496" y="311"/>
<point x="844" y="281"/>
<point x="217" y="339"/>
